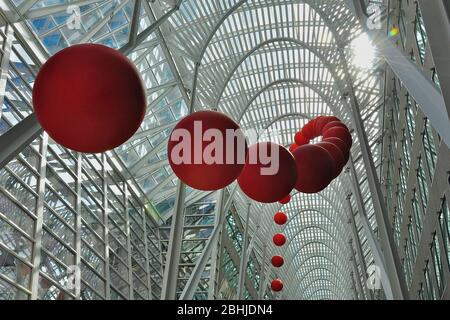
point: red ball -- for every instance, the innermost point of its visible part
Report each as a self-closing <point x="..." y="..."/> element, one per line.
<point x="314" y="168"/>
<point x="333" y="124"/>
<point x="277" y="261"/>
<point x="321" y="121"/>
<point x="201" y="163"/>
<point x="285" y="199"/>
<point x="292" y="147"/>
<point x="89" y="98"/>
<point x="341" y="145"/>
<point x="300" y="139"/>
<point x="274" y="184"/>
<point x="279" y="239"/>
<point x="336" y="154"/>
<point x="309" y="130"/>
<point x="340" y="133"/>
<point x="277" y="285"/>
<point x="280" y="218"/>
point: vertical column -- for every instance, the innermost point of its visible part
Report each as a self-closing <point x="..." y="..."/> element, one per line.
<point x="371" y="238"/>
<point x="36" y="257"/>
<point x="355" y="271"/>
<point x="393" y="266"/>
<point x="170" y="280"/>
<point x="8" y="38"/>
<point x="357" y="241"/>
<point x="78" y="227"/>
<point x="243" y="265"/>
<point x="262" y="279"/>
<point x="147" y="258"/>
<point x="106" y="230"/>
<point x="215" y="254"/>
<point x="130" y="268"/>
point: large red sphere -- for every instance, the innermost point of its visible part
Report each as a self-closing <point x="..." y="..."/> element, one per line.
<point x="266" y="181"/>
<point x="333" y="124"/>
<point x="285" y="199"/>
<point x="341" y="133"/>
<point x="280" y="218"/>
<point x="89" y="98"/>
<point x="341" y="145"/>
<point x="277" y="285"/>
<point x="314" y="168"/>
<point x="277" y="261"/>
<point x="279" y="239"/>
<point x="336" y="154"/>
<point x="203" y="162"/>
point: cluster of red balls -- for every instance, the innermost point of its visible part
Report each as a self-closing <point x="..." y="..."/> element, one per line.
<point x="279" y="240"/>
<point x="319" y="164"/>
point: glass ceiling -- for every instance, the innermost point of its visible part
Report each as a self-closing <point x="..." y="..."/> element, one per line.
<point x="269" y="64"/>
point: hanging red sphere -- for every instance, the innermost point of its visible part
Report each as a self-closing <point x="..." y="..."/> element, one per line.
<point x="277" y="285"/>
<point x="277" y="261"/>
<point x="198" y="154"/>
<point x="341" y="133"/>
<point x="336" y="154"/>
<point x="280" y="218"/>
<point x="333" y="124"/>
<point x="309" y="130"/>
<point x="314" y="168"/>
<point x="272" y="181"/>
<point x="321" y="121"/>
<point x="89" y="98"/>
<point x="300" y="139"/>
<point x="279" y="239"/>
<point x="341" y="145"/>
<point x="285" y="199"/>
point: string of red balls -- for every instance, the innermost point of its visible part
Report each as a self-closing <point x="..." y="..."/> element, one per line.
<point x="90" y="98"/>
<point x="336" y="141"/>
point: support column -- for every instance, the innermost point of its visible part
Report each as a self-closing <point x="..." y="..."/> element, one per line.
<point x="358" y="246"/>
<point x="393" y="265"/>
<point x="170" y="280"/>
<point x="371" y="238"/>
<point x="356" y="272"/>
<point x="243" y="265"/>
<point x="37" y="249"/>
<point x="4" y="62"/>
<point x="262" y="279"/>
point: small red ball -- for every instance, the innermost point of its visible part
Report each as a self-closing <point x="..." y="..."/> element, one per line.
<point x="300" y="139"/>
<point x="279" y="239"/>
<point x="336" y="154"/>
<point x="89" y="98"/>
<point x="285" y="199"/>
<point x="264" y="185"/>
<point x="195" y="159"/>
<point x="314" y="168"/>
<point x="321" y="121"/>
<point x="280" y="218"/>
<point x="277" y="285"/>
<point x="333" y="124"/>
<point x="292" y="147"/>
<point x="341" y="133"/>
<point x="277" y="261"/>
<point x="309" y="130"/>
